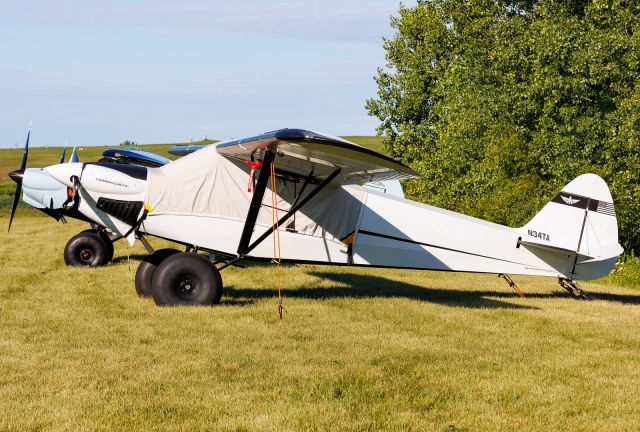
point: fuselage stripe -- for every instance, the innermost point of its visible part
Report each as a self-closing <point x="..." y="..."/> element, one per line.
<point x="373" y="234"/>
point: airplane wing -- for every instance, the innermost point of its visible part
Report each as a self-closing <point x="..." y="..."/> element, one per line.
<point x="300" y="152"/>
<point x="183" y="150"/>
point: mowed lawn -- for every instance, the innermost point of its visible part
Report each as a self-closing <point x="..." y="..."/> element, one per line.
<point x="359" y="349"/>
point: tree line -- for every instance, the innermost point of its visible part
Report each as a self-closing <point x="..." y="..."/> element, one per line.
<point x="499" y="104"/>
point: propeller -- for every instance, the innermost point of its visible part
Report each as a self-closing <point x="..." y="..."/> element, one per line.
<point x="74" y="156"/>
<point x="64" y="153"/>
<point x="17" y="177"/>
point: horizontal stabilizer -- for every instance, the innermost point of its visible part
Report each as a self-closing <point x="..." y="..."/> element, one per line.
<point x="545" y="247"/>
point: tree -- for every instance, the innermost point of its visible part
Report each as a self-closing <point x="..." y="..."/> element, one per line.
<point x="498" y="104"/>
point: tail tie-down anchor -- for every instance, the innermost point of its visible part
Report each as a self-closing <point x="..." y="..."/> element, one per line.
<point x="573" y="288"/>
<point x="512" y="284"/>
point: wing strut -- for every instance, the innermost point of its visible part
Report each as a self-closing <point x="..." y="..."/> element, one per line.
<point x="297" y="206"/>
<point x="256" y="201"/>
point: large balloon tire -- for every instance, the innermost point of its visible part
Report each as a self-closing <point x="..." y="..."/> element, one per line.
<point x="147" y="268"/>
<point x="87" y="249"/>
<point x="107" y="241"/>
<point x="186" y="279"/>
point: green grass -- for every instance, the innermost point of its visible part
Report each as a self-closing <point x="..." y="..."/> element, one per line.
<point x="359" y="349"/>
<point x="626" y="273"/>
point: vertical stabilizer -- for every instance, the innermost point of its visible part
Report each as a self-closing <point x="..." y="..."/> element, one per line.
<point x="579" y="220"/>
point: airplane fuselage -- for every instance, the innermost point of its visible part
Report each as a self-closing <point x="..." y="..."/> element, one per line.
<point x="375" y="229"/>
<point x="213" y="199"/>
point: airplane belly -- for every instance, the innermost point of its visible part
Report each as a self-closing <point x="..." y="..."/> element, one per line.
<point x="220" y="234"/>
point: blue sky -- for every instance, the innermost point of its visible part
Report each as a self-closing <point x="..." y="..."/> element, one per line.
<point x="99" y="72"/>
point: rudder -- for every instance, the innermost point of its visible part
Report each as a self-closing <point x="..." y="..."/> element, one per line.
<point x="580" y="220"/>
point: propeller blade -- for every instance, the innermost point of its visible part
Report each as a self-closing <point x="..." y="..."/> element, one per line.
<point x="74" y="156"/>
<point x="64" y="153"/>
<point x="16" y="198"/>
<point x="17" y="177"/>
<point x="25" y="154"/>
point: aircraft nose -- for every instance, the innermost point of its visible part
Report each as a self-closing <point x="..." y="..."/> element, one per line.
<point x="63" y="172"/>
<point x="17" y="176"/>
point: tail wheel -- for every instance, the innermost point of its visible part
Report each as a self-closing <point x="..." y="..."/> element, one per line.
<point x="186" y="279"/>
<point x="87" y="249"/>
<point x="147" y="268"/>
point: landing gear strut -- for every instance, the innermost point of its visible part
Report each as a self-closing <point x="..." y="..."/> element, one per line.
<point x="573" y="288"/>
<point x="512" y="284"/>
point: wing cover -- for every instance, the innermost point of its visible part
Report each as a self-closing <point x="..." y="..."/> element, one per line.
<point x="300" y="152"/>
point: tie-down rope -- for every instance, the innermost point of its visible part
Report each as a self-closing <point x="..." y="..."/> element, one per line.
<point x="277" y="257"/>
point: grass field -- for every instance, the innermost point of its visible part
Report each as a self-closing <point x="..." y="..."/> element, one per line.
<point x="359" y="349"/>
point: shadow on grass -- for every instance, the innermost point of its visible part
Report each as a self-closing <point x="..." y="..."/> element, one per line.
<point x="351" y="285"/>
<point x="595" y="296"/>
<point x="132" y="257"/>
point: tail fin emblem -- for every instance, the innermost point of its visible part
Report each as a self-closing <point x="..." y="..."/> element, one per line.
<point x="569" y="200"/>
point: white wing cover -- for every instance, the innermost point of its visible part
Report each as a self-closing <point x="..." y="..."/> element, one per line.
<point x="212" y="185"/>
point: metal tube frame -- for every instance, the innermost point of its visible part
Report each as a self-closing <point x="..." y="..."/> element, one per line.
<point x="298" y="204"/>
<point x="256" y="203"/>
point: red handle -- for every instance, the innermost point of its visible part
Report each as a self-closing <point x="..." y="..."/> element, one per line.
<point x="253" y="165"/>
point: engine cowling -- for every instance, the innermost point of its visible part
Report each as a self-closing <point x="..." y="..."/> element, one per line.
<point x="111" y="195"/>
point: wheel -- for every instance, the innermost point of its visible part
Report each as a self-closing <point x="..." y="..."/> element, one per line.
<point x="107" y="240"/>
<point x="147" y="268"/>
<point x="109" y="244"/>
<point x="186" y="279"/>
<point x="87" y="249"/>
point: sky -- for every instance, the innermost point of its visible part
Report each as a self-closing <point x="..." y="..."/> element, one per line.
<point x="98" y="72"/>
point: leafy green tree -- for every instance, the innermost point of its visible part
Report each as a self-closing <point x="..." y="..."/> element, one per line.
<point x="498" y="104"/>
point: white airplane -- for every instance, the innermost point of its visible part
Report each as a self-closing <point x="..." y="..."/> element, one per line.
<point x="230" y="198"/>
<point x="91" y="247"/>
<point x="94" y="247"/>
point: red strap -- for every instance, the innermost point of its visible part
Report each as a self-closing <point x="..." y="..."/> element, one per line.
<point x="253" y="165"/>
